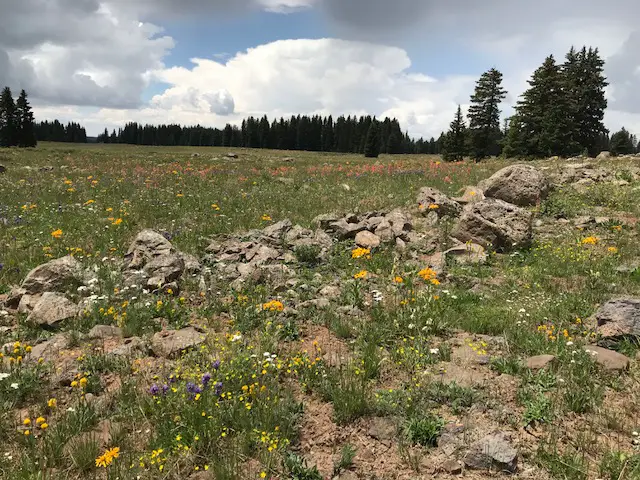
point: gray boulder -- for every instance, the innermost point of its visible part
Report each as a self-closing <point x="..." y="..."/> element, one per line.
<point x="57" y="275"/>
<point x="170" y="343"/>
<point x="164" y="269"/>
<point x="619" y="318"/>
<point x="366" y="239"/>
<point x="495" y="223"/>
<point x="53" y="308"/>
<point x="147" y="246"/>
<point x="467" y="254"/>
<point x="492" y="451"/>
<point x="522" y="185"/>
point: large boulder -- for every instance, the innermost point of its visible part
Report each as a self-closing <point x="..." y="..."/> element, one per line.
<point x="164" y="269"/>
<point x="147" y="246"/>
<point x="608" y="359"/>
<point x="170" y="343"/>
<point x="522" y="185"/>
<point x="52" y="308"/>
<point x="619" y="318"/>
<point x="55" y="276"/>
<point x="495" y="223"/>
<point x="430" y="199"/>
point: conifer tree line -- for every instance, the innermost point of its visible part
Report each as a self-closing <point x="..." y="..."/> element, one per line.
<point x="57" y="132"/>
<point x="344" y="134"/>
<point x="17" y="126"/>
<point x="560" y="114"/>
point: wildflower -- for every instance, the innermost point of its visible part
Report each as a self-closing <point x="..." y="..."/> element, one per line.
<point x="117" y="221"/>
<point x="27" y="433"/>
<point x="4" y="375"/>
<point x="266" y="218"/>
<point x="44" y="425"/>
<point x="434" y="206"/>
<point x="361" y="275"/>
<point x="216" y="365"/>
<point x="434" y="351"/>
<point x="40" y="420"/>
<point x="15" y="386"/>
<point x="273" y="306"/>
<point x="612" y="250"/>
<point x="107" y="457"/>
<point x="215" y="206"/>
<point x="427" y="274"/>
<point x="26" y="421"/>
<point x="398" y="280"/>
<point x="83" y="382"/>
<point x="361" y="252"/>
<point x="56" y="233"/>
<point x="154" y="390"/>
<point x="263" y="474"/>
<point x="590" y="240"/>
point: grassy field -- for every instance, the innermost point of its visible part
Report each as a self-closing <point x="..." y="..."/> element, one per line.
<point x="283" y="391"/>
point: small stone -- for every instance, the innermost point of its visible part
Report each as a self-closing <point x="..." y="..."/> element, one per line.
<point x="383" y="429"/>
<point x="540" y="361"/>
<point x="366" y="239"/>
<point x="493" y="450"/>
<point x="169" y="343"/>
<point x="104" y="331"/>
<point x="451" y="466"/>
<point x="232" y="155"/>
<point x="330" y="292"/>
<point x="129" y="348"/>
<point x="608" y="359"/>
<point x="467" y="254"/>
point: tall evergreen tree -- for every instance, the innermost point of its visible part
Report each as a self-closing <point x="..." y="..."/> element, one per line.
<point x="9" y="121"/>
<point x="585" y="84"/>
<point x="372" y="141"/>
<point x="542" y="125"/>
<point x="26" y="125"/>
<point x="455" y="144"/>
<point x="484" y="115"/>
<point x="621" y="143"/>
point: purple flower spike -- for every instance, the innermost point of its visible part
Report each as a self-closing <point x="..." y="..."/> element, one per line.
<point x="154" y="390"/>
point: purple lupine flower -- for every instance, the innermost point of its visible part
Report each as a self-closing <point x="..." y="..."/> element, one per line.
<point x="216" y="365"/>
<point x="154" y="390"/>
<point x="172" y="379"/>
<point x="165" y="389"/>
<point x="206" y="378"/>
<point x="191" y="387"/>
<point x="218" y="388"/>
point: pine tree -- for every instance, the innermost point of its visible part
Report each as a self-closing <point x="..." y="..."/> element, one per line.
<point x="9" y="122"/>
<point x="372" y="141"/>
<point x="621" y="143"/>
<point x="584" y="84"/>
<point x="455" y="144"/>
<point x="26" y="123"/>
<point x="543" y="125"/>
<point x="484" y="115"/>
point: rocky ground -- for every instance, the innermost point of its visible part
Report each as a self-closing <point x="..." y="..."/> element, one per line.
<point x="492" y="331"/>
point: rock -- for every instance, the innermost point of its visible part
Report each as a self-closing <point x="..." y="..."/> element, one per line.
<point x="277" y="230"/>
<point x="491" y="451"/>
<point x="522" y="185"/>
<point x="57" y="275"/>
<point x="468" y="253"/>
<point x="28" y="303"/>
<point x="319" y="303"/>
<point x="495" y="223"/>
<point x="400" y="223"/>
<point x="540" y="361"/>
<point x="626" y="267"/>
<point x="130" y="347"/>
<point x="288" y="159"/>
<point x="347" y="475"/>
<point x="383" y="429"/>
<point x="366" y="239"/>
<point x="603" y="156"/>
<point x="470" y="195"/>
<point x="104" y="331"/>
<point x="231" y="155"/>
<point x="401" y="245"/>
<point x="170" y="343"/>
<point x="430" y="199"/>
<point x="3" y="169"/>
<point x="147" y="246"/>
<point x="619" y="318"/>
<point x="451" y="466"/>
<point x="52" y="309"/>
<point x="164" y="269"/>
<point x="14" y="297"/>
<point x="608" y="359"/>
<point x="330" y="292"/>
<point x="191" y="263"/>
<point x="384" y="232"/>
<point x="49" y="350"/>
<point x="325" y="220"/>
<point x="345" y="230"/>
<point x="435" y="262"/>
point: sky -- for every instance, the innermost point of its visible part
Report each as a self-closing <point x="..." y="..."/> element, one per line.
<point x="104" y="63"/>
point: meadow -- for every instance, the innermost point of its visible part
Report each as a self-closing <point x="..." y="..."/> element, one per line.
<point x="398" y="373"/>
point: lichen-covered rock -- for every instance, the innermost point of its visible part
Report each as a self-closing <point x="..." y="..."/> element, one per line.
<point x="522" y="185"/>
<point x="147" y="246"/>
<point x="495" y="223"/>
<point x="57" y="275"/>
<point x="170" y="343"/>
<point x="52" y="308"/>
<point x="492" y="451"/>
<point x="619" y="318"/>
<point x="430" y="199"/>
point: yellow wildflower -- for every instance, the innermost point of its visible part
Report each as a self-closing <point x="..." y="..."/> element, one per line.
<point x="56" y="233"/>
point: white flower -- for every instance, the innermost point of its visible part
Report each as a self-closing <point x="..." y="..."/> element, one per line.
<point x="104" y="259"/>
<point x="635" y="434"/>
<point x="236" y="337"/>
<point x="15" y="386"/>
<point x="266" y="354"/>
<point x="411" y="326"/>
<point x="569" y="344"/>
<point x="4" y="375"/>
<point x="434" y="351"/>
<point x="82" y="288"/>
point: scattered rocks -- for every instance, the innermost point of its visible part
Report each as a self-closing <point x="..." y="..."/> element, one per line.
<point x="366" y="239"/>
<point x="51" y="309"/>
<point x="608" y="359"/>
<point x="170" y="343"/>
<point x="619" y="318"/>
<point x="540" y="361"/>
<point x="55" y="276"/>
<point x="492" y="451"/>
<point x="495" y="223"/>
<point x="430" y="199"/>
<point x="468" y="253"/>
<point x="521" y="185"/>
